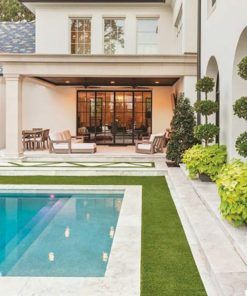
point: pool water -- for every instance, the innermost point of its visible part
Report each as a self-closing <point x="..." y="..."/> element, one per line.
<point x="61" y="235"/>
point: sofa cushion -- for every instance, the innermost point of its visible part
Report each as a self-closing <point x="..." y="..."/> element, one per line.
<point x="61" y="146"/>
<point x="155" y="135"/>
<point x="83" y="146"/>
<point x="56" y="136"/>
<point x="144" y="146"/>
<point x="66" y="135"/>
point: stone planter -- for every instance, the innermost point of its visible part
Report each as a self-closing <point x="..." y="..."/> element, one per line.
<point x="172" y="164"/>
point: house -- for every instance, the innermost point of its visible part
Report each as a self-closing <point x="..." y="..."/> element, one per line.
<point x="111" y="69"/>
<point x="224" y="44"/>
<point x="114" y="69"/>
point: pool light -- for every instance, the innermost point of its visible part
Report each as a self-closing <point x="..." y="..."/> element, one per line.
<point x="112" y="232"/>
<point x="67" y="232"/>
<point x="104" y="257"/>
<point x="51" y="257"/>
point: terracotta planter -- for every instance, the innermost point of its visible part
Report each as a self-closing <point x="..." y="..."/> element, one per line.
<point x="205" y="178"/>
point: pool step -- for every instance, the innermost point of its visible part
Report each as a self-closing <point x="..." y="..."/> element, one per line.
<point x="226" y="268"/>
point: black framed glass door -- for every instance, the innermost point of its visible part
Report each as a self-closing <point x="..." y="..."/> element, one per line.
<point x="114" y="117"/>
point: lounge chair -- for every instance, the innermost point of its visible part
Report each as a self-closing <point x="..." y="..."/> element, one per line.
<point x="155" y="144"/>
<point x="74" y="139"/>
<point x="57" y="144"/>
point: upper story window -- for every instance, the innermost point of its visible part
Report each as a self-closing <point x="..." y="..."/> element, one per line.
<point x="81" y="36"/>
<point x="114" y="35"/>
<point x="147" y="35"/>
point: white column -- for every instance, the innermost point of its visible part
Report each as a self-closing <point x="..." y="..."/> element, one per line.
<point x="13" y="99"/>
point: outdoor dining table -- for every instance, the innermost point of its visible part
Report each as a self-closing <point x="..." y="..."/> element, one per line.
<point x="33" y="135"/>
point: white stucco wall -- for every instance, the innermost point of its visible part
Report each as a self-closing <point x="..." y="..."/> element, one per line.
<point x="185" y="20"/>
<point x="2" y="114"/>
<point x="221" y="30"/>
<point x="53" y="25"/>
<point x="55" y="108"/>
<point x="48" y="107"/>
<point x="186" y="85"/>
<point x="162" y="108"/>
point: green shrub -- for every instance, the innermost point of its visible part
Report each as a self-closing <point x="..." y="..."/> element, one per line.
<point x="205" y="160"/>
<point x="232" y="188"/>
<point x="206" y="108"/>
<point x="241" y="145"/>
<point x="240" y="108"/>
<point x="206" y="85"/>
<point x="182" y="125"/>
<point x="242" y="68"/>
<point x="206" y="132"/>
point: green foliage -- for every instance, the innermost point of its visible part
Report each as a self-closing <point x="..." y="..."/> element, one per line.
<point x="206" y="132"/>
<point x="232" y="188"/>
<point x="241" y="145"/>
<point x="242" y="68"/>
<point x="182" y="127"/>
<point x="206" y="108"/>
<point x="13" y="10"/>
<point x="240" y="108"/>
<point x="206" y="85"/>
<point x="205" y="160"/>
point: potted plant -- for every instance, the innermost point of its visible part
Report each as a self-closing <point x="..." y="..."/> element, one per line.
<point x="231" y="183"/>
<point x="240" y="109"/>
<point x="182" y="131"/>
<point x="205" y="161"/>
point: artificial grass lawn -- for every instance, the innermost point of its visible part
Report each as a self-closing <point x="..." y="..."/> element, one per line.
<point x="168" y="267"/>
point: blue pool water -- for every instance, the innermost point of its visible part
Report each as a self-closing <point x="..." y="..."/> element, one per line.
<point x="57" y="234"/>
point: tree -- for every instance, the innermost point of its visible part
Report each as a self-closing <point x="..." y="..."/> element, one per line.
<point x="208" y="131"/>
<point x="240" y="109"/>
<point x="182" y="126"/>
<point x="13" y="10"/>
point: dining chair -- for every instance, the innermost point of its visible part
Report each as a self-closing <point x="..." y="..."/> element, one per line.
<point x="26" y="140"/>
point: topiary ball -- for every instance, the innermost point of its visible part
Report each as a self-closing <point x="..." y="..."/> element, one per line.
<point x="240" y="108"/>
<point x="206" y="108"/>
<point x="241" y="144"/>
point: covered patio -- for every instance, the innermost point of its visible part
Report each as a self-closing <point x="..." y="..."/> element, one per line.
<point x="56" y="92"/>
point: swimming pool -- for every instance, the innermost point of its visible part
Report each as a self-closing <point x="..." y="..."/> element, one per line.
<point x="57" y="234"/>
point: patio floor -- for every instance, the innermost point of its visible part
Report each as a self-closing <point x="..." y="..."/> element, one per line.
<point x="109" y="160"/>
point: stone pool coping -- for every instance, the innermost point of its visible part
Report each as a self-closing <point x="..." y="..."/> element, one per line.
<point x="123" y="273"/>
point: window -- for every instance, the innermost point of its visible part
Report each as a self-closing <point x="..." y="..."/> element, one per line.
<point x="81" y="36"/>
<point x="213" y="2"/>
<point x="147" y="36"/>
<point x="114" y="36"/>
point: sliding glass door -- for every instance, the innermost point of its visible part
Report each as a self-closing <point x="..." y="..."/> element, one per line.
<point x="114" y="117"/>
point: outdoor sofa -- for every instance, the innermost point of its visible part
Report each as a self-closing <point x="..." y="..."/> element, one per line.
<point x="63" y="142"/>
<point x="153" y="145"/>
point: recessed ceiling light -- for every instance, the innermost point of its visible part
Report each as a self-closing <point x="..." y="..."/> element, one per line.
<point x="67" y="81"/>
<point x="112" y="82"/>
<point x="157" y="82"/>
